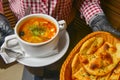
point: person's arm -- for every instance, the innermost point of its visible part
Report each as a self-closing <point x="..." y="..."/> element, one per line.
<point x="5" y="28"/>
<point x="1" y="7"/>
<point x="95" y="17"/>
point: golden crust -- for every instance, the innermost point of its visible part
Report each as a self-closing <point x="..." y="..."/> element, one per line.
<point x="95" y="45"/>
<point x="86" y="45"/>
<point x="115" y="75"/>
<point x="105" y="77"/>
<point x="78" y="72"/>
<point x="75" y="65"/>
<point x="81" y="74"/>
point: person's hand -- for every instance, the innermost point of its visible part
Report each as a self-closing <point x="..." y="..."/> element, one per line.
<point x="5" y="28"/>
<point x="100" y="23"/>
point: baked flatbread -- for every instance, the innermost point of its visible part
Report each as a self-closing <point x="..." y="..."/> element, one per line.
<point x="86" y="45"/>
<point x="98" y="42"/>
<point x="102" y="61"/>
<point x="78" y="72"/>
<point x="81" y="74"/>
<point x="75" y="65"/>
<point x="91" y="45"/>
<point x="105" y="77"/>
<point x="116" y="73"/>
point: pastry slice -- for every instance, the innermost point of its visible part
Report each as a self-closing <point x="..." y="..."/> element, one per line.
<point x="75" y="65"/>
<point x="102" y="61"/>
<point x="81" y="74"/>
<point x="116" y="73"/>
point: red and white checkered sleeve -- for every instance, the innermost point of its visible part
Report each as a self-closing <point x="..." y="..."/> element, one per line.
<point x="89" y="9"/>
<point x="1" y="7"/>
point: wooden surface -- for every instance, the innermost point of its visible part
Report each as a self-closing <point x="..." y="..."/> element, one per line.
<point x="8" y="13"/>
<point x="112" y="11"/>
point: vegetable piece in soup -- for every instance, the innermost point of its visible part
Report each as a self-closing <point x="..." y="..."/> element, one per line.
<point x="36" y="30"/>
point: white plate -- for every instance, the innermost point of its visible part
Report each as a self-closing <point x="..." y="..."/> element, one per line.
<point x="40" y="62"/>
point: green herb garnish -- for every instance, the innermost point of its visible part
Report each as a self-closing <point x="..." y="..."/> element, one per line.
<point x="37" y="30"/>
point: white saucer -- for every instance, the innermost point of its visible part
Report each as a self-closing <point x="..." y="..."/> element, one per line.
<point x="40" y="62"/>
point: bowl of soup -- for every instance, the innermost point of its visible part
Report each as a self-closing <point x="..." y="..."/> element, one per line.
<point x="38" y="34"/>
<point x="37" y="30"/>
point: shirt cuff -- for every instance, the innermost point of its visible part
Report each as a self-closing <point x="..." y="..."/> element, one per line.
<point x="89" y="9"/>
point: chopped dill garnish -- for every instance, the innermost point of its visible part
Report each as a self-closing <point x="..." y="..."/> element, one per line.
<point x="37" y="30"/>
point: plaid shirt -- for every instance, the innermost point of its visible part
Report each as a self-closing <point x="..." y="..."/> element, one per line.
<point x="56" y="8"/>
<point x="59" y="9"/>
